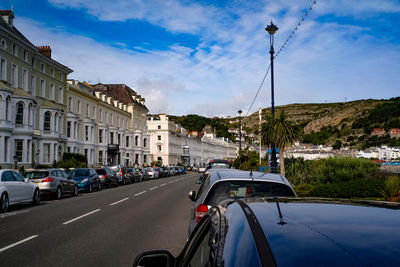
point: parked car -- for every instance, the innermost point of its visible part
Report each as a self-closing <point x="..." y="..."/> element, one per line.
<point x="118" y="169"/>
<point x="216" y="164"/>
<point x="15" y="189"/>
<point x="221" y="184"/>
<point x="144" y="176"/>
<point x="132" y="175"/>
<point x="171" y="171"/>
<point x="164" y="171"/>
<point x="289" y="232"/>
<point x="87" y="179"/>
<point x="107" y="176"/>
<point x="153" y="173"/>
<point x="53" y="182"/>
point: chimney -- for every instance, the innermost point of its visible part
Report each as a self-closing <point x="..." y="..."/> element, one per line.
<point x="45" y="51"/>
<point x="7" y="16"/>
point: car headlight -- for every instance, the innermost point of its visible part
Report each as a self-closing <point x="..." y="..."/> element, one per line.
<point x="84" y="180"/>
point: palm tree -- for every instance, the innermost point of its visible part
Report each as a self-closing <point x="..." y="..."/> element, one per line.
<point x="279" y="131"/>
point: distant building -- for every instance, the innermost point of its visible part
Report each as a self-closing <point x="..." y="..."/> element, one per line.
<point x="378" y="132"/>
<point x="394" y="133"/>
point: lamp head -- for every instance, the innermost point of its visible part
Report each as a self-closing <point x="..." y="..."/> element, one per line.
<point x="271" y="29"/>
<point x="240" y="112"/>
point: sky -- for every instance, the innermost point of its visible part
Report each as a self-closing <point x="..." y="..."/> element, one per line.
<point x="210" y="57"/>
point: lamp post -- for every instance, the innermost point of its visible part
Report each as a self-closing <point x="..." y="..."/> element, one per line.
<point x="15" y="158"/>
<point x="271" y="29"/>
<point x="240" y="135"/>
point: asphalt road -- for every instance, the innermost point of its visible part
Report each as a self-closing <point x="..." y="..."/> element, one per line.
<point x="106" y="228"/>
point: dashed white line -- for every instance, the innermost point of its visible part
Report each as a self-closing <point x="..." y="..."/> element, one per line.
<point x="112" y="204"/>
<point x="170" y="182"/>
<point x="19" y="242"/>
<point x="153" y="188"/>
<point x="140" y="193"/>
<point x="84" y="215"/>
<point x="162" y="184"/>
<point x="12" y="213"/>
<point x="176" y="180"/>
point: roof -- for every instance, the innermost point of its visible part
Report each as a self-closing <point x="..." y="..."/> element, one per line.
<point x="232" y="174"/>
<point x="320" y="233"/>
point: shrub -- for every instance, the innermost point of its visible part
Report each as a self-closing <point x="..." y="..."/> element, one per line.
<point x="348" y="189"/>
<point x="303" y="190"/>
<point x="391" y="188"/>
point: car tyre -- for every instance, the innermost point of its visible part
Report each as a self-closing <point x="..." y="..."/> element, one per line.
<point x="58" y="193"/>
<point x="76" y="191"/>
<point x="90" y="188"/>
<point x="36" y="197"/>
<point x="99" y="187"/>
<point x="4" y="202"/>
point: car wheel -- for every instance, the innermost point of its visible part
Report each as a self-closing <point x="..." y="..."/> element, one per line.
<point x="58" y="193"/>
<point x="98" y="186"/>
<point x="90" y="188"/>
<point x="4" y="203"/>
<point x="36" y="197"/>
<point x="76" y="191"/>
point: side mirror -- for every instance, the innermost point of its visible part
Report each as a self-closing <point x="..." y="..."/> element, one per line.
<point x="26" y="180"/>
<point x="192" y="195"/>
<point x="155" y="258"/>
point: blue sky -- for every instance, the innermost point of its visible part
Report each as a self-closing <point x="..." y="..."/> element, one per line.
<point x="209" y="57"/>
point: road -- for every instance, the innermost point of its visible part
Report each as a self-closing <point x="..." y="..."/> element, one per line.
<point x="105" y="228"/>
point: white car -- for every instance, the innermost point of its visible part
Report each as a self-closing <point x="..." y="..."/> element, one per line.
<point x="153" y="173"/>
<point x="15" y="189"/>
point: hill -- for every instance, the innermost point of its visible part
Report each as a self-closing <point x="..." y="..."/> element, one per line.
<point x="342" y="123"/>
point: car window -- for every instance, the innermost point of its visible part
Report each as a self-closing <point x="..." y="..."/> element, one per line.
<point x="80" y="172"/>
<point x="65" y="174"/>
<point x="115" y="168"/>
<point x="53" y="173"/>
<point x="203" y="186"/>
<point x="240" y="189"/>
<point x="101" y="171"/>
<point x="7" y="177"/>
<point x="37" y="174"/>
<point x="18" y="177"/>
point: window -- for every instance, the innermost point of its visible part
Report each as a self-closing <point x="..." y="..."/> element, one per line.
<point x="75" y="129"/>
<point x="119" y="139"/>
<point x="70" y="104"/>
<point x="127" y="141"/>
<point x="100" y="156"/>
<point x="25" y="56"/>
<point x="52" y="72"/>
<point x="19" y="118"/>
<point x="86" y="133"/>
<point x="42" y="67"/>
<point x="3" y="44"/>
<point x="111" y="119"/>
<point x="33" y="81"/>
<point x="6" y="138"/>
<point x="33" y="63"/>
<point x="7" y="108"/>
<point x="30" y="114"/>
<point x="144" y="158"/>
<point x="14" y="75"/>
<point x="60" y="95"/>
<point x="136" y="140"/>
<point x="111" y="138"/>
<point x="15" y="50"/>
<point x="100" y="135"/>
<point x="136" y="158"/>
<point x="47" y="153"/>
<point x="159" y="137"/>
<point x="3" y="69"/>
<point x="68" y="129"/>
<point x="19" y="144"/>
<point x="25" y="80"/>
<point x="159" y="148"/>
<point x="47" y="120"/>
<point x="94" y="112"/>
<point x="42" y="88"/>
<point x="144" y="142"/>
<point x="61" y="76"/>
<point x="91" y="133"/>
<point x="159" y="127"/>
<point x="87" y="110"/>
<point x="101" y="115"/>
<point x="51" y="91"/>
<point x="79" y="106"/>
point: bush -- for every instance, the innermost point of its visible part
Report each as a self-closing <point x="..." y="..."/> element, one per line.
<point x="391" y="188"/>
<point x="303" y="190"/>
<point x="350" y="189"/>
<point x="72" y="160"/>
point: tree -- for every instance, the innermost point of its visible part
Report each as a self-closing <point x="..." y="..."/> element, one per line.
<point x="337" y="145"/>
<point x="279" y="131"/>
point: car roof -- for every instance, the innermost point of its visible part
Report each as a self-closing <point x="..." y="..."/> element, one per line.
<point x="232" y="174"/>
<point x="325" y="232"/>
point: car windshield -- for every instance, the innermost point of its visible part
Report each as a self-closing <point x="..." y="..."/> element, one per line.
<point x="82" y="172"/>
<point x="241" y="189"/>
<point x="37" y="174"/>
<point x="219" y="165"/>
<point x="101" y="171"/>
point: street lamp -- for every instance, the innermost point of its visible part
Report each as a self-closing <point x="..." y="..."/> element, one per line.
<point x="15" y="158"/>
<point x="240" y="135"/>
<point x="271" y="29"/>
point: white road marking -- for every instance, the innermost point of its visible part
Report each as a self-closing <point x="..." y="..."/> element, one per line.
<point x="13" y="213"/>
<point x="140" y="193"/>
<point x="84" y="215"/>
<point x="176" y="180"/>
<point x="162" y="184"/>
<point x="19" y="242"/>
<point x="153" y="188"/>
<point x="112" y="204"/>
<point x="170" y="182"/>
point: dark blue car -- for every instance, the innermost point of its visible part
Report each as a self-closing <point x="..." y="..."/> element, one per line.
<point x="290" y="232"/>
<point x="87" y="179"/>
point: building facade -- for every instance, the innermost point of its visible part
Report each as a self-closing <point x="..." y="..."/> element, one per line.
<point x="172" y="145"/>
<point x="32" y="95"/>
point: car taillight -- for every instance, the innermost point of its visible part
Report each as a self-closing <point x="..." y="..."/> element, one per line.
<point x="105" y="176"/>
<point x="200" y="211"/>
<point x="48" y="180"/>
<point x="120" y="172"/>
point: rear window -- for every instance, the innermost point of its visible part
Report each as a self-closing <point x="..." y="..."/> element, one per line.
<point x="101" y="171"/>
<point x="83" y="172"/>
<point x="115" y="168"/>
<point x="219" y="165"/>
<point x="241" y="189"/>
<point x="37" y="174"/>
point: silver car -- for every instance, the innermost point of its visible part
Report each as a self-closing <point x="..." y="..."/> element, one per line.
<point x="222" y="184"/>
<point x="53" y="182"/>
